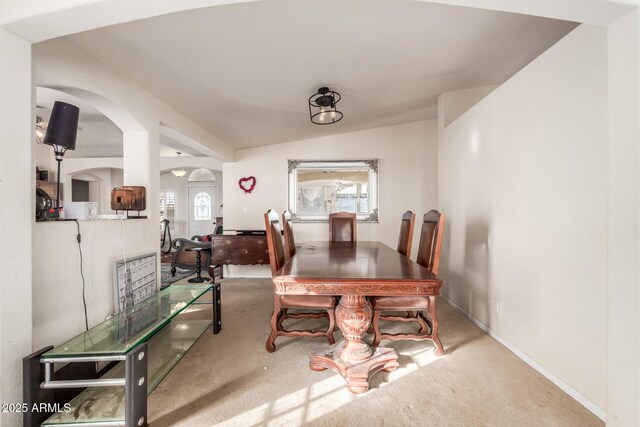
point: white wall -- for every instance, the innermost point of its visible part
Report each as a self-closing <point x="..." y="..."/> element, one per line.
<point x="107" y="171"/>
<point x="168" y="163"/>
<point x="58" y="313"/>
<point x="407" y="179"/>
<point x="117" y="178"/>
<point x="102" y="181"/>
<point x="38" y="21"/>
<point x="30" y="18"/>
<point x="623" y="297"/>
<point x="44" y="159"/>
<point x="523" y="182"/>
<point x="17" y="187"/>
<point x="452" y="105"/>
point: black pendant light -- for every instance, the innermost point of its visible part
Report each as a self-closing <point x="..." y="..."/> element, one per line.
<point x="322" y="107"/>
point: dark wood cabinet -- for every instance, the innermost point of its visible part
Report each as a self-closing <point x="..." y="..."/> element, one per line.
<point x="239" y="250"/>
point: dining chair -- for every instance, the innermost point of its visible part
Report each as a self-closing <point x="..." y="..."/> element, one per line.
<point x="342" y="227"/>
<point x="282" y="303"/>
<point x="289" y="240"/>
<point x="429" y="257"/>
<point x="405" y="239"/>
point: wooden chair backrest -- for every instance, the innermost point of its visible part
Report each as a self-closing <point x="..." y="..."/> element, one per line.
<point x="274" y="241"/>
<point x="431" y="240"/>
<point x="289" y="239"/>
<point x="342" y="227"/>
<point x="405" y="239"/>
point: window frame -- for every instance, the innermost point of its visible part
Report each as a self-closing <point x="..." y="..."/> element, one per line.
<point x="164" y="205"/>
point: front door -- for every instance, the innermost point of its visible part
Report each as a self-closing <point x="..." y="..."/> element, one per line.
<point x="203" y="209"/>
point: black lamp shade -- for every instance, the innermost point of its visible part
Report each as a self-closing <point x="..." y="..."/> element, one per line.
<point x="63" y="126"/>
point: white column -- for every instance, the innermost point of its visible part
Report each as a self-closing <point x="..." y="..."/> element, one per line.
<point x="17" y="187"/>
<point x="142" y="166"/>
<point x="623" y="304"/>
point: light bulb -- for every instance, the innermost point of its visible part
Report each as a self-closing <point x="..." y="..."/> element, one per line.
<point x="332" y="114"/>
<point x="321" y="116"/>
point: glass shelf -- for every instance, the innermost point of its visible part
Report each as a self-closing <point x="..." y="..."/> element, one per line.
<point x="133" y="326"/>
<point x="106" y="404"/>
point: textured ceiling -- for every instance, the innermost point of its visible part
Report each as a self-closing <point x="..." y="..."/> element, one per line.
<point x="245" y="71"/>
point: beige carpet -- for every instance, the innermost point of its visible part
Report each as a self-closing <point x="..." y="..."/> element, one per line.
<point x="230" y="380"/>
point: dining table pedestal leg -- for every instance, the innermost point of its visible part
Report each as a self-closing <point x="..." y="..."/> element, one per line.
<point x="351" y="357"/>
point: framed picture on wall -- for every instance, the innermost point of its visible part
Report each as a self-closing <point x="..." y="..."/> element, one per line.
<point x="318" y="187"/>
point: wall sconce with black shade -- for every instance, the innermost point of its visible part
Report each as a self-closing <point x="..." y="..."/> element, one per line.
<point x="322" y="107"/>
<point x="62" y="130"/>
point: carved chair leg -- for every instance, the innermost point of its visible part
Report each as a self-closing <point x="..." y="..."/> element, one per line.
<point x="376" y="328"/>
<point x="332" y="324"/>
<point x="283" y="315"/>
<point x="279" y="321"/>
<point x="173" y="271"/>
<point x="271" y="347"/>
<point x="434" y="331"/>
<point x="425" y="317"/>
<point x="424" y="328"/>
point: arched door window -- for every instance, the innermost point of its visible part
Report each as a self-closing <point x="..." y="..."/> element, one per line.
<point x="202" y="207"/>
<point x="202" y="174"/>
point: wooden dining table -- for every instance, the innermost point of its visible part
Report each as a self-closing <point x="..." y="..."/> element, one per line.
<point x="355" y="271"/>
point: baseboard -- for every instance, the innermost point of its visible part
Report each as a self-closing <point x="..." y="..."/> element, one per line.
<point x="247" y="271"/>
<point x="575" y="394"/>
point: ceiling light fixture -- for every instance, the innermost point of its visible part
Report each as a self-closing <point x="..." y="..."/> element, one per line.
<point x="179" y="172"/>
<point x="322" y="107"/>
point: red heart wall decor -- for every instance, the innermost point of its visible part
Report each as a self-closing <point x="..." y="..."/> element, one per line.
<point x="247" y="184"/>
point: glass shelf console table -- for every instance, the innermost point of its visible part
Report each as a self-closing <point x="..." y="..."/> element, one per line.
<point x="139" y="347"/>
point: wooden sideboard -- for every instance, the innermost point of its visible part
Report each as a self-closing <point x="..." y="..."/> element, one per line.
<point x="239" y="250"/>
